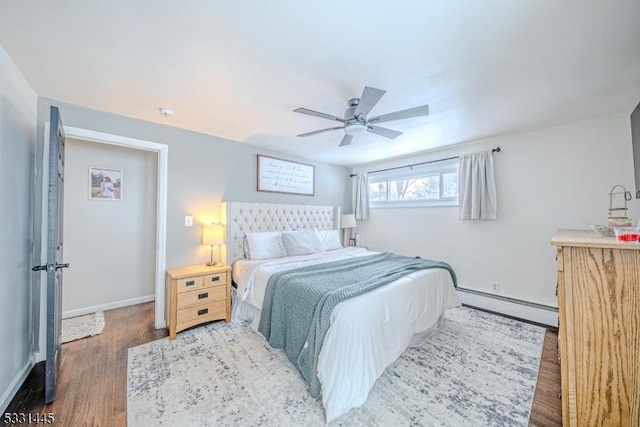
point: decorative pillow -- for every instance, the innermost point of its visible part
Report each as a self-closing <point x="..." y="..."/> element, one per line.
<point x="265" y="245"/>
<point x="330" y="239"/>
<point x="301" y="242"/>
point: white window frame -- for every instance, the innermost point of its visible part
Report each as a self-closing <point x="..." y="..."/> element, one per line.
<point x="414" y="172"/>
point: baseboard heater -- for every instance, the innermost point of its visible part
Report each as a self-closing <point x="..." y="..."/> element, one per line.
<point x="523" y="310"/>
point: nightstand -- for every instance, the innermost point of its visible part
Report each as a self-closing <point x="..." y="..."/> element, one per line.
<point x="197" y="294"/>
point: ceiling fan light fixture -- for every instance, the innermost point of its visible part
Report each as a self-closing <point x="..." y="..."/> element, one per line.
<point x="356" y="121"/>
<point x="355" y="129"/>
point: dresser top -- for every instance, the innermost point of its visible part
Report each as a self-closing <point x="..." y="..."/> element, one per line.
<point x="195" y="270"/>
<point x="588" y="238"/>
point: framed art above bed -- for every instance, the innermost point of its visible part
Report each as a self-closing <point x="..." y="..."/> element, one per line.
<point x="284" y="176"/>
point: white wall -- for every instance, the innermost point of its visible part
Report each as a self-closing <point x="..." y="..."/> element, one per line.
<point x="17" y="137"/>
<point x="109" y="244"/>
<point x="553" y="178"/>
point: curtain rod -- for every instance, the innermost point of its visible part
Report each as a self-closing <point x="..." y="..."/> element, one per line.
<point x="495" y="150"/>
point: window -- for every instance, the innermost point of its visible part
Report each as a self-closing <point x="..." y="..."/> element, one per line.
<point x="435" y="184"/>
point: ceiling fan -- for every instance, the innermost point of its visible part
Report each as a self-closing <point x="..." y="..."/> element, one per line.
<point x="355" y="119"/>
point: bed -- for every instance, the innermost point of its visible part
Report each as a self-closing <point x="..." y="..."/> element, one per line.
<point x="368" y="332"/>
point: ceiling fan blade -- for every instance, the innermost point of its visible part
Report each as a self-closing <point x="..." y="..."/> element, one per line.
<point x="318" y="114"/>
<point x="422" y="110"/>
<point x="302" y="135"/>
<point x="346" y="140"/>
<point x="370" y="97"/>
<point x="387" y="133"/>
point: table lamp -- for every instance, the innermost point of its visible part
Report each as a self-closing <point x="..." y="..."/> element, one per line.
<point x="212" y="235"/>
<point x="347" y="222"/>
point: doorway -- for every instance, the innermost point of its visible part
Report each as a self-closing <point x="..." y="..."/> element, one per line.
<point x="109" y="227"/>
<point x="161" y="197"/>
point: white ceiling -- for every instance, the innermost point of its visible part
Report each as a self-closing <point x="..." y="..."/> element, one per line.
<point x="237" y="69"/>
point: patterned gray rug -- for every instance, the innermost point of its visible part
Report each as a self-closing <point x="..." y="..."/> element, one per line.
<point x="477" y="370"/>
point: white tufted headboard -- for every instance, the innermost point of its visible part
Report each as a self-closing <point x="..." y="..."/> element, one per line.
<point x="241" y="217"/>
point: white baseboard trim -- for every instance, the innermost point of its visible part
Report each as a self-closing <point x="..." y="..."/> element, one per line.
<point x="512" y="307"/>
<point x="15" y="385"/>
<point x="109" y="306"/>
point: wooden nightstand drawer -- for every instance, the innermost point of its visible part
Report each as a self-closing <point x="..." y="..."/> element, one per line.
<point x="215" y="279"/>
<point x="200" y="313"/>
<point x="201" y="296"/>
<point x="190" y="283"/>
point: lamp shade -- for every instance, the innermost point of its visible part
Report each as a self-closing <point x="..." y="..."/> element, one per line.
<point x="212" y="235"/>
<point x="348" y="221"/>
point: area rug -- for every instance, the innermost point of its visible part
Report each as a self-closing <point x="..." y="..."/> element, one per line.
<point x="479" y="369"/>
<point x="75" y="328"/>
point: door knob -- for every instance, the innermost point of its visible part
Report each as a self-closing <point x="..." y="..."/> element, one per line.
<point x="51" y="267"/>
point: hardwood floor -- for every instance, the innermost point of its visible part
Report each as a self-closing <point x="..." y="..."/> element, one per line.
<point x="92" y="390"/>
<point x="547" y="406"/>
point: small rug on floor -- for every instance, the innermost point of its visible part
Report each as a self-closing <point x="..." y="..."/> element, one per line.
<point x="479" y="369"/>
<point x="74" y="328"/>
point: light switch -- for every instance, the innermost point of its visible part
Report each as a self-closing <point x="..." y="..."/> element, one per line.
<point x="188" y="221"/>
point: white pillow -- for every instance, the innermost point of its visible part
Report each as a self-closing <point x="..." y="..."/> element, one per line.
<point x="301" y="242"/>
<point x="265" y="245"/>
<point x="330" y="239"/>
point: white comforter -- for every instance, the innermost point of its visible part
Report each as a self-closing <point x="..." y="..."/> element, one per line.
<point x="368" y="332"/>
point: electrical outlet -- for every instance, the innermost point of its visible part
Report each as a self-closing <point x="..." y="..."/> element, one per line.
<point x="188" y="221"/>
<point x="495" y="287"/>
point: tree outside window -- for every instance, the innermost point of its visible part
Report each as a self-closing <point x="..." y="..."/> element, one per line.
<point x="434" y="186"/>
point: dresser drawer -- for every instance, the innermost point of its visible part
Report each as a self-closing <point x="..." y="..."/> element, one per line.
<point x="190" y="283"/>
<point x="201" y="296"/>
<point x="200" y="313"/>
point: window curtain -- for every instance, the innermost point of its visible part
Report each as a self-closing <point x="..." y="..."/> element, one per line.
<point x="361" y="202"/>
<point x="477" y="186"/>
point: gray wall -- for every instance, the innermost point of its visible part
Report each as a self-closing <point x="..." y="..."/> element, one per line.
<point x="203" y="171"/>
<point x="109" y="243"/>
<point x="17" y="135"/>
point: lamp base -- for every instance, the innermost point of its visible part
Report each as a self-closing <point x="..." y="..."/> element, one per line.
<point x="345" y="237"/>
<point x="211" y="262"/>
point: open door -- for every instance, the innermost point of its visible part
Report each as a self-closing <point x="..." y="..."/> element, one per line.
<point x="54" y="264"/>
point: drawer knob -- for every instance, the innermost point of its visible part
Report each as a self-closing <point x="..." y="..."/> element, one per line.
<point x="191" y="283"/>
<point x="203" y="295"/>
<point x="215" y="278"/>
<point x="203" y="311"/>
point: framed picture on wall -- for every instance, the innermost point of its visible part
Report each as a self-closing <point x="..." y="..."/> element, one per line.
<point x="284" y="176"/>
<point x="105" y="184"/>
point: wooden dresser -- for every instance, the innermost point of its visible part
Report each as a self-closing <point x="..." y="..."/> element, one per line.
<point x="599" y="330"/>
<point x="197" y="294"/>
